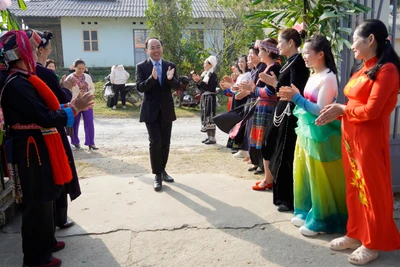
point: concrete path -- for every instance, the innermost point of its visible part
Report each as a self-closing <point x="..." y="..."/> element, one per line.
<point x="200" y="220"/>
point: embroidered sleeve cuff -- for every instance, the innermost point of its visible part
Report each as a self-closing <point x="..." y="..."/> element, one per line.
<point x="70" y="116"/>
<point x="62" y="106"/>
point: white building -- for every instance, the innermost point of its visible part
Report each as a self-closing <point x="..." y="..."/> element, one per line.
<point x="108" y="32"/>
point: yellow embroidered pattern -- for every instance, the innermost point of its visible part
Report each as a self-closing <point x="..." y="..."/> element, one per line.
<point x="353" y="83"/>
<point x="357" y="180"/>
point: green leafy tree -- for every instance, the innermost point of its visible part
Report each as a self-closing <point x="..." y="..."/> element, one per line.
<point x="238" y="32"/>
<point x="169" y="20"/>
<point x="325" y="17"/>
<point x="8" y="21"/>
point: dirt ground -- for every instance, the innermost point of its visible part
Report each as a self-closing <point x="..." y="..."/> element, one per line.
<point x="124" y="149"/>
<point x="124" y="143"/>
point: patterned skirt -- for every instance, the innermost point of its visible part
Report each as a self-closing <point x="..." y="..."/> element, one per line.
<point x="262" y="116"/>
<point x="208" y="106"/>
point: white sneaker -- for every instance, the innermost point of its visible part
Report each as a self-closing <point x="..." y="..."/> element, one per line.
<point x="307" y="232"/>
<point x="297" y="221"/>
<point x="241" y="154"/>
<point x="114" y="107"/>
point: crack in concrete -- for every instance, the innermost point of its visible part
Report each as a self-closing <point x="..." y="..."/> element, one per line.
<point x="182" y="227"/>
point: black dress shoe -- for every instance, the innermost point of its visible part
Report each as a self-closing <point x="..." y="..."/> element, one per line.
<point x="166" y="177"/>
<point x="157" y="182"/>
<point x="257" y="172"/>
<point x="66" y="225"/>
<point x="209" y="142"/>
<point x="205" y="140"/>
<point x="283" y="208"/>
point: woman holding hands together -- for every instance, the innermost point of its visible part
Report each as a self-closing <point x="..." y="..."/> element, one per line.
<point x="372" y="96"/>
<point x="319" y="182"/>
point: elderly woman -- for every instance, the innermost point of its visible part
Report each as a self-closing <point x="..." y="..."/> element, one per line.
<point x="207" y="83"/>
<point x="36" y="157"/>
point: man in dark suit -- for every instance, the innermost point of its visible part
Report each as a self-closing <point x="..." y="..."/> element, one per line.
<point x="156" y="77"/>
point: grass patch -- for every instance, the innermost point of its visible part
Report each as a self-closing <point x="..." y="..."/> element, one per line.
<point x="101" y="110"/>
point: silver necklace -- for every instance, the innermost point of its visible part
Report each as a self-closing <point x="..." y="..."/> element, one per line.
<point x="287" y="65"/>
<point x="278" y="119"/>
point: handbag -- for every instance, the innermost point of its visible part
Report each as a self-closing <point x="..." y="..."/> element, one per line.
<point x="227" y="120"/>
<point x="108" y="91"/>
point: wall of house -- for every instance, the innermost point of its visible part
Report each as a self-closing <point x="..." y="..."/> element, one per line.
<point x="116" y="41"/>
<point x="213" y="34"/>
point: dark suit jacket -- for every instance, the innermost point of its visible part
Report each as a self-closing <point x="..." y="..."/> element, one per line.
<point x="157" y="98"/>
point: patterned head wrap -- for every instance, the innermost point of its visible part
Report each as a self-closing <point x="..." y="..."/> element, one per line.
<point x="270" y="47"/>
<point x="16" y="45"/>
<point x="45" y="36"/>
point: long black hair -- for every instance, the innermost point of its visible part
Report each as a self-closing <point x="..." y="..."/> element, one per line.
<point x="384" y="50"/>
<point x="245" y="60"/>
<point x="319" y="43"/>
<point x="292" y="34"/>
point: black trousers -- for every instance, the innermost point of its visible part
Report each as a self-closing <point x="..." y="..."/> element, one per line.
<point x="119" y="88"/>
<point x="160" y="139"/>
<point x="61" y="205"/>
<point x="38" y="227"/>
<point x="256" y="157"/>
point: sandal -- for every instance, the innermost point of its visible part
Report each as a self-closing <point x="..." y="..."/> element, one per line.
<point x="343" y="243"/>
<point x="362" y="256"/>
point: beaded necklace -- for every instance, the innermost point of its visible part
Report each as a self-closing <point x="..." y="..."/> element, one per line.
<point x="287" y="65"/>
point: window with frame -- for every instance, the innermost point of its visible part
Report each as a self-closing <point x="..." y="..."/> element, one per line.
<point x="140" y="37"/>
<point x="197" y="35"/>
<point x="90" y="41"/>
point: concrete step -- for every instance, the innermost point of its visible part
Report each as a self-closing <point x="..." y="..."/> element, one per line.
<point x="6" y="194"/>
<point x="8" y="211"/>
<point x="8" y="207"/>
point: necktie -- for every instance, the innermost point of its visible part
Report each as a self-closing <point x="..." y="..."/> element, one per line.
<point x="158" y="68"/>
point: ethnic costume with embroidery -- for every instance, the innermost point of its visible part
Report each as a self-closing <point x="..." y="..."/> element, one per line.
<point x="319" y="180"/>
<point x="266" y="101"/>
<point x="280" y="138"/>
<point x="264" y="111"/>
<point x="31" y="113"/>
<point x="208" y="102"/>
<point x="366" y="157"/>
<point x="26" y="113"/>
<point x="252" y="103"/>
<point x="72" y="188"/>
